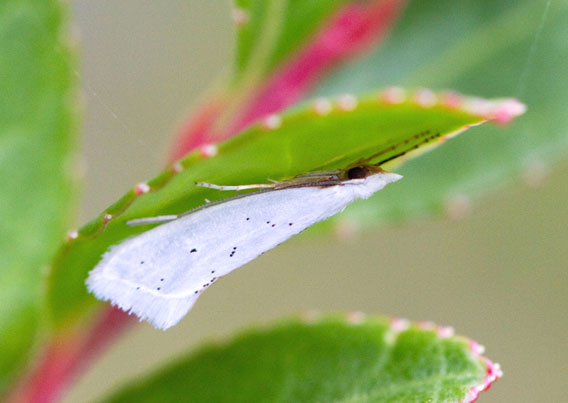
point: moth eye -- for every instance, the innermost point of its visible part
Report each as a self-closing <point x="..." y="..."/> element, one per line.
<point x="357" y="173"/>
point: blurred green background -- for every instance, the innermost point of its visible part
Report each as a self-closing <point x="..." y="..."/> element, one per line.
<point x="499" y="275"/>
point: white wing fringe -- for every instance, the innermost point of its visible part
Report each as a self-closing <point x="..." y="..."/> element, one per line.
<point x="161" y="312"/>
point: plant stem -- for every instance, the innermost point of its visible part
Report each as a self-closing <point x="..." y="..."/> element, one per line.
<point x="66" y="355"/>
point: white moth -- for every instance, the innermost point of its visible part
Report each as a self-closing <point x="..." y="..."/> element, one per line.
<point x="159" y="274"/>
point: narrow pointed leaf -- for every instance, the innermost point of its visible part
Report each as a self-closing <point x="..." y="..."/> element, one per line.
<point x="328" y="360"/>
<point x="314" y="137"/>
<point x="37" y="127"/>
<point x="482" y="47"/>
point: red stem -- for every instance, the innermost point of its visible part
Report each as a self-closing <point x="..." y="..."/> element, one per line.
<point x="198" y="131"/>
<point x="66" y="355"/>
<point x="353" y="30"/>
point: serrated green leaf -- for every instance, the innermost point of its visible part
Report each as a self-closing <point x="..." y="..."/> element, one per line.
<point x="303" y="142"/>
<point x="514" y="48"/>
<point x="37" y="127"/>
<point x="329" y="360"/>
<point x="273" y="30"/>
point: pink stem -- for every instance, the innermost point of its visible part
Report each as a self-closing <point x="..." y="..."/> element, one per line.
<point x="350" y="32"/>
<point x="198" y="131"/>
<point x="66" y="355"/>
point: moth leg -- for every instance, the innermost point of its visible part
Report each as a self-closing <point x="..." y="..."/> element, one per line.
<point x="152" y="220"/>
<point x="237" y="188"/>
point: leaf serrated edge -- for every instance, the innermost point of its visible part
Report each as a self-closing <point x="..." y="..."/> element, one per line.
<point x="400" y="325"/>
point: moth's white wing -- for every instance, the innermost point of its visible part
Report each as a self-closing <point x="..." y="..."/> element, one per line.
<point x="159" y="274"/>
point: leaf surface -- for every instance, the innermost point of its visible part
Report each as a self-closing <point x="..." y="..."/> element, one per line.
<point x="37" y="130"/>
<point x="329" y="359"/>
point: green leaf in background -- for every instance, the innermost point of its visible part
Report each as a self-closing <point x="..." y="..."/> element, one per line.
<point x="495" y="48"/>
<point x="273" y="30"/>
<point x="322" y="136"/>
<point x="328" y="359"/>
<point x="37" y="127"/>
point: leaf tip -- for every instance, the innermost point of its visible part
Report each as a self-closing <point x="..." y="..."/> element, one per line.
<point x="493" y="373"/>
<point x="500" y="111"/>
<point x="508" y="109"/>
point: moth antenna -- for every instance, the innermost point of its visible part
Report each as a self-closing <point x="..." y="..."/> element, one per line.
<point x="421" y="138"/>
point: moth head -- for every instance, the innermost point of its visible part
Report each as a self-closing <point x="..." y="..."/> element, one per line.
<point x="361" y="171"/>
